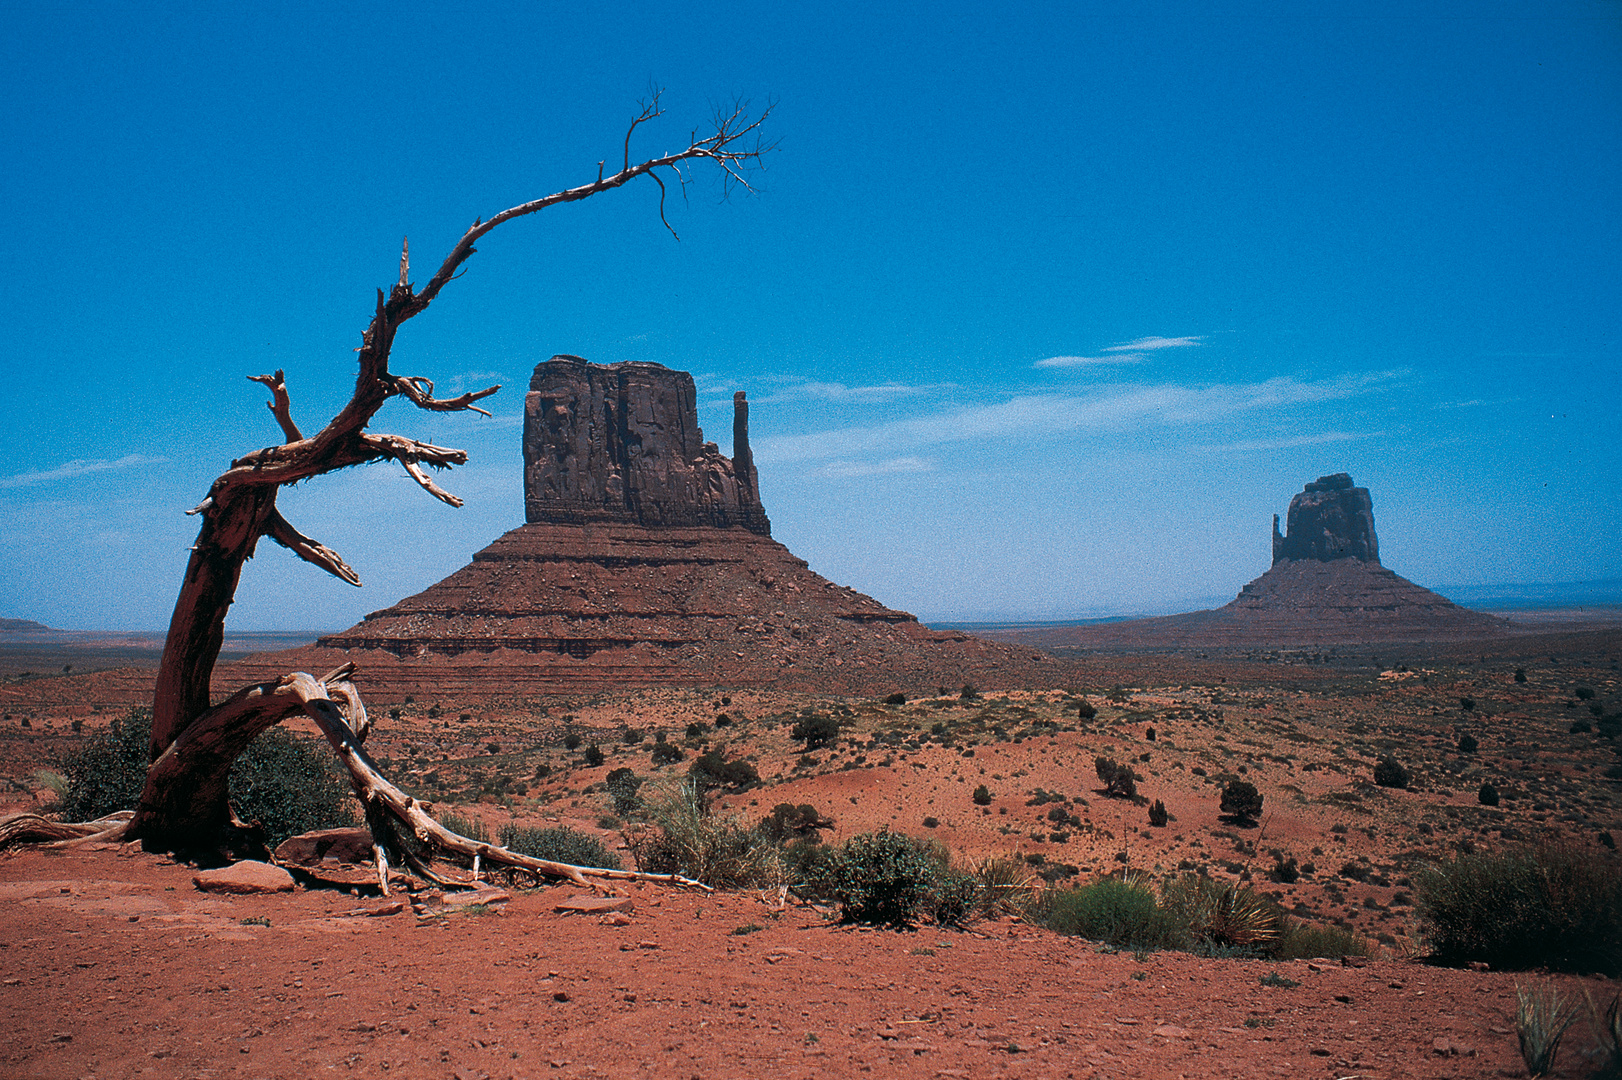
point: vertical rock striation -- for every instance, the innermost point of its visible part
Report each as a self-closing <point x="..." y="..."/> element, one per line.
<point x="621" y="443"/>
<point x="1329" y="520"/>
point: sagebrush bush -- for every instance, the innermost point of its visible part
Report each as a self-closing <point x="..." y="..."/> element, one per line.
<point x="1241" y="799"/>
<point x="816" y="730"/>
<point x="1390" y="773"/>
<point x="1158" y="815"/>
<point x="683" y="837"/>
<point x="622" y="785"/>
<point x="288" y="783"/>
<point x="1308" y="941"/>
<point x="714" y="770"/>
<point x="1487" y="795"/>
<point x="982" y="796"/>
<point x="1119" y="780"/>
<point x="1121" y="913"/>
<point x="881" y="878"/>
<point x="1552" y="907"/>
<point x="472" y="828"/>
<point x="564" y="845"/>
<point x="1468" y="744"/>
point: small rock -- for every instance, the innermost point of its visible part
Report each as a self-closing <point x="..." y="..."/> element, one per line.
<point x="1477" y="965"/>
<point x="1172" y="1031"/>
<point x="244" y="878"/>
<point x="1344" y="999"/>
<point x="616" y="918"/>
<point x="560" y="995"/>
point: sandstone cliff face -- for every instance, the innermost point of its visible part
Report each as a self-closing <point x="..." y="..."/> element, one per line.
<point x="621" y="442"/>
<point x="1331" y="519"/>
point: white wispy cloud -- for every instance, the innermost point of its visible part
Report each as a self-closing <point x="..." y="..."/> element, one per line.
<point x="1126" y="352"/>
<point x="69" y="470"/>
<point x="840" y="470"/>
<point x="841" y="394"/>
<point x="1089" y="361"/>
<point x="1035" y="415"/>
<point x="1296" y="440"/>
<point x="1151" y="344"/>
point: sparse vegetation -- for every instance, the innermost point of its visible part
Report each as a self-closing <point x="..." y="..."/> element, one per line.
<point x="1550" y="907"/>
<point x="982" y="796"/>
<point x="1468" y="744"/>
<point x="1487" y="795"/>
<point x="1158" y="815"/>
<point x="287" y="783"/>
<point x="563" y="845"/>
<point x="816" y="730"/>
<point x="1118" y="912"/>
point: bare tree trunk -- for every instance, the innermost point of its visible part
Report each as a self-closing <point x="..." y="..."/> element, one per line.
<point x="185" y="803"/>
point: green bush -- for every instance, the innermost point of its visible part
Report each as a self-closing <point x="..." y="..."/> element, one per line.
<point x="593" y="756"/>
<point x="982" y="796"/>
<point x="562" y="845"/>
<point x="472" y="828"/>
<point x="622" y="787"/>
<point x="1468" y="744"/>
<point x="1086" y="710"/>
<point x="713" y="770"/>
<point x="816" y="730"/>
<point x="288" y="783"/>
<point x="1552" y="907"/>
<point x="683" y="837"/>
<point x="1221" y="916"/>
<point x="665" y="753"/>
<point x="1390" y="773"/>
<point x="1158" y="816"/>
<point x="1119" y="780"/>
<point x="881" y="878"/>
<point x="897" y="698"/>
<point x="1487" y="795"/>
<point x="788" y="822"/>
<point x="1306" y="941"/>
<point x="1241" y="799"/>
<point x="1121" y="913"/>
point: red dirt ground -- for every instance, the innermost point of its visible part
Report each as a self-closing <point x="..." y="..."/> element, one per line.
<point x="114" y="966"/>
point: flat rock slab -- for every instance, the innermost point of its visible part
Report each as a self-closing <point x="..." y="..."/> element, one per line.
<point x="436" y="903"/>
<point x="348" y="845"/>
<point x="245" y="877"/>
<point x="596" y="905"/>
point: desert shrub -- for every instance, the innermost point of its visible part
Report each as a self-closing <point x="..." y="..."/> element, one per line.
<point x="290" y="784"/>
<point x="982" y="796"/>
<point x="1551" y="907"/>
<point x="1467" y="703"/>
<point x="931" y="822"/>
<point x="954" y="896"/>
<point x="1241" y="799"/>
<point x="622" y="787"/>
<point x="665" y="753"/>
<point x="1487" y="795"/>
<point x="562" y="845"/>
<point x="1118" y="912"/>
<point x="897" y="698"/>
<point x="1580" y="727"/>
<point x="572" y="741"/>
<point x="593" y="756"/>
<point x="816" y="730"/>
<point x="788" y="822"/>
<point x="472" y="828"/>
<point x="1585" y="693"/>
<point x="1119" y="780"/>
<point x="1520" y="674"/>
<point x="1468" y="744"/>
<point x="969" y="692"/>
<point x="713" y="770"/>
<point x="1006" y="884"/>
<point x="1306" y="941"/>
<point x="1157" y="815"/>
<point x="1285" y="870"/>
<point x="1390" y="773"/>
<point x="630" y="736"/>
<point x="881" y="878"/>
<point x="696" y="728"/>
<point x="683" y="837"/>
<point x="287" y="783"/>
<point x="1221" y="915"/>
<point x="1542" y="1018"/>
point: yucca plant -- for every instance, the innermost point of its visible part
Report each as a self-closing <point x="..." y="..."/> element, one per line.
<point x="1007" y="884"/>
<point x="1221" y="913"/>
<point x="1608" y="1029"/>
<point x="1542" y="1018"/>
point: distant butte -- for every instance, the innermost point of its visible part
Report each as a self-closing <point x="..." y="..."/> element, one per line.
<point x="646" y="558"/>
<point x="1326" y="587"/>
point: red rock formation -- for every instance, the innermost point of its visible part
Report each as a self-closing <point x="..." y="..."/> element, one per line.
<point x="647" y="559"/>
<point x="1331" y="519"/>
<point x="1326" y="587"/>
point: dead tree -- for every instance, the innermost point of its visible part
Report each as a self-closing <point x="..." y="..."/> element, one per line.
<point x="185" y="804"/>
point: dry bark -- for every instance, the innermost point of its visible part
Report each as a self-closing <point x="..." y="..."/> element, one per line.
<point x="185" y="803"/>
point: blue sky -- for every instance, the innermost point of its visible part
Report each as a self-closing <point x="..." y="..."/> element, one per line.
<point x="1043" y="314"/>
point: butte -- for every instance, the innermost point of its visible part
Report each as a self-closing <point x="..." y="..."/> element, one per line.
<point x="646" y="558"/>
<point x="1326" y="587"/>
